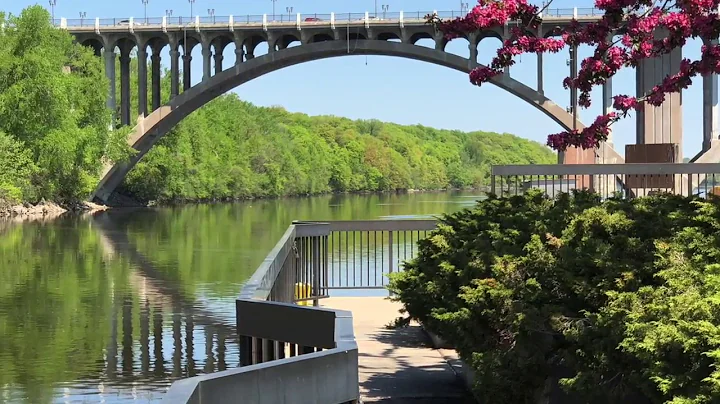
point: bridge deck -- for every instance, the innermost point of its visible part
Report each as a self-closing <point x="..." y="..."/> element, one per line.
<point x="400" y="365"/>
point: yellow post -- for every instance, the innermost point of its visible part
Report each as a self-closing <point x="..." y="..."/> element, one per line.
<point x="303" y="291"/>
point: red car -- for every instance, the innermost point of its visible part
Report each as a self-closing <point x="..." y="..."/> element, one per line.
<point x="312" y="19"/>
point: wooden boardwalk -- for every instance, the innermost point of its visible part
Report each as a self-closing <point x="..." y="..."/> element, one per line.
<point x="398" y="365"/>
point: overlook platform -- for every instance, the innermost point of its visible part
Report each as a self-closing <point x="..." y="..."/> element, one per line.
<point x="398" y="365"/>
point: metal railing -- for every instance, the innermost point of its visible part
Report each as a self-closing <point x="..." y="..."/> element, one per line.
<point x="305" y="19"/>
<point x="363" y="253"/>
<point x="625" y="180"/>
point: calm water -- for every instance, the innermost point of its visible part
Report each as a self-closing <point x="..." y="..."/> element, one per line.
<point x="114" y="308"/>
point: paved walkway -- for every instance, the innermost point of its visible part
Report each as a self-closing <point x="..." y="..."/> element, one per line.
<point x="400" y="365"/>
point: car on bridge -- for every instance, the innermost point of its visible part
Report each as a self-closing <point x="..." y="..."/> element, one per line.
<point x="127" y="22"/>
<point x="313" y="19"/>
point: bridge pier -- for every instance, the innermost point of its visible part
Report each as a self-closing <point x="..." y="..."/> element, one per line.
<point x="662" y="124"/>
<point x="142" y="81"/>
<point x="540" y="82"/>
<point x="540" y="86"/>
<point x="207" y="59"/>
<point x="473" y="41"/>
<point x="124" y="86"/>
<point x="156" y="79"/>
<point x="174" y="72"/>
<point x="110" y="57"/>
<point x="710" y="108"/>
<point x="187" y="58"/>
<point x="607" y="94"/>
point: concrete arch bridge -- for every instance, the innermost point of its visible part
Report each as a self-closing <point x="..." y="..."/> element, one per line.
<point x="318" y="40"/>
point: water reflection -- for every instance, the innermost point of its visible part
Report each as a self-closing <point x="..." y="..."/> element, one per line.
<point x="115" y="307"/>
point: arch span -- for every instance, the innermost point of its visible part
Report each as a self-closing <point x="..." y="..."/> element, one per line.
<point x="156" y="125"/>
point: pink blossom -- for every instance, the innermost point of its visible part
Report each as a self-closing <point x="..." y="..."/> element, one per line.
<point x="637" y="23"/>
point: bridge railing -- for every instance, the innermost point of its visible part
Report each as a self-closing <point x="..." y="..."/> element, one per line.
<point x="626" y="180"/>
<point x="281" y="18"/>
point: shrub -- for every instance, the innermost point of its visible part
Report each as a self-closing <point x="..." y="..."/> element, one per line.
<point x="610" y="299"/>
<point x="16" y="169"/>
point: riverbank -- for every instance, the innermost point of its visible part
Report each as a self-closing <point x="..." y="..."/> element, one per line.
<point x="130" y="202"/>
<point x="50" y="210"/>
<point x="45" y="210"/>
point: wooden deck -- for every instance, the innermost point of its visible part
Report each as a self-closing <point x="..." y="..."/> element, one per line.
<point x="399" y="365"/>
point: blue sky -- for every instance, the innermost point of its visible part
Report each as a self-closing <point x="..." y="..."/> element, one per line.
<point x="401" y="90"/>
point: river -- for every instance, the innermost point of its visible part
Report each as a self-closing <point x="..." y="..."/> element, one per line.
<point x="113" y="308"/>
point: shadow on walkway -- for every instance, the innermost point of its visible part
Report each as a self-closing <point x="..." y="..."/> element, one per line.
<point x="398" y="366"/>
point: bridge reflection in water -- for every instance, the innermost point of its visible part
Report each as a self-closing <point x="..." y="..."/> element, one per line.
<point x="157" y="332"/>
<point x="177" y="336"/>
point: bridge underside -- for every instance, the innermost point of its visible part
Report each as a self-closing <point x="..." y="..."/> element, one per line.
<point x="152" y="128"/>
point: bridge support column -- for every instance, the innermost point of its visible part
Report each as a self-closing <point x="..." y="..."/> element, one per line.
<point x="156" y="79"/>
<point x="110" y="56"/>
<point x="207" y="56"/>
<point x="661" y="124"/>
<point x="125" y="88"/>
<point x="710" y="110"/>
<point x="142" y="81"/>
<point x="473" y="41"/>
<point x="574" y="155"/>
<point x="540" y="88"/>
<point x="218" y="62"/>
<point x="473" y="53"/>
<point x="439" y="42"/>
<point x="607" y="105"/>
<point x="186" y="71"/>
<point x="174" y="72"/>
<point x="540" y="66"/>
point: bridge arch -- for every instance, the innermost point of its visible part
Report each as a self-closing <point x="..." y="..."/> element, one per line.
<point x="158" y="124"/>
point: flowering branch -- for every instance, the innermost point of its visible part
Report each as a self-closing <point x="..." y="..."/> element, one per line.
<point x="678" y="20"/>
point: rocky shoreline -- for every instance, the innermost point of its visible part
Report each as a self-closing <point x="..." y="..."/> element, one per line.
<point x="45" y="210"/>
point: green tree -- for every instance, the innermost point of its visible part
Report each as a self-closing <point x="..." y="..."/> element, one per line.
<point x="617" y="301"/>
<point x="52" y="101"/>
<point x="232" y="149"/>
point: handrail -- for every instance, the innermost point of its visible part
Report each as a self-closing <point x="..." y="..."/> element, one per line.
<point x="261" y="282"/>
<point x="305" y="19"/>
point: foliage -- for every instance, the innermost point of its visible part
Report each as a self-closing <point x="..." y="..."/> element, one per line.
<point x="52" y="104"/>
<point x="232" y="149"/>
<point x="616" y="299"/>
<point x="17" y="169"/>
<point x="635" y="22"/>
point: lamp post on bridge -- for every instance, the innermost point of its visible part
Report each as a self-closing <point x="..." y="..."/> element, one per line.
<point x="463" y="8"/>
<point x="191" y="8"/>
<point x="211" y="13"/>
<point x="385" y="8"/>
<point x="289" y="11"/>
<point x="273" y="15"/>
<point x="82" y="16"/>
<point x="145" y="3"/>
<point x="52" y="7"/>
